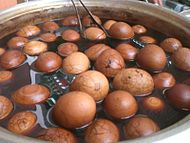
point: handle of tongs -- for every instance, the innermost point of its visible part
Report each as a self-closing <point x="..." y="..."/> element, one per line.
<point x="91" y="16"/>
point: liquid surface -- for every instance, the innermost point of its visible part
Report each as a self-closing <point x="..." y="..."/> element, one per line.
<point x="59" y="83"/>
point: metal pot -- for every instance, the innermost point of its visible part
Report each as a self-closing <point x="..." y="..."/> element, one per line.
<point x="149" y="15"/>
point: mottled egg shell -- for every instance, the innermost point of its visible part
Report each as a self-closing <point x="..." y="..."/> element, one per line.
<point x="170" y="45"/>
<point x="136" y="81"/>
<point x="94" y="33"/>
<point x="31" y="94"/>
<point x="102" y="131"/>
<point x="181" y="59"/>
<point x="28" y="31"/>
<point x="95" y="51"/>
<point x="92" y="82"/>
<point x="6" y="107"/>
<point x="57" y="135"/>
<point x="140" y="126"/>
<point x="110" y="62"/>
<point x="76" y="63"/>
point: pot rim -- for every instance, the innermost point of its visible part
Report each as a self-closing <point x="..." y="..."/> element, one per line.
<point x="33" y="6"/>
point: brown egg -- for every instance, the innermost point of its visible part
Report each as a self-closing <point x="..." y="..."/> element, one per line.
<point x="94" y="33"/>
<point x="170" y="45"/>
<point x="147" y="39"/>
<point x="22" y="122"/>
<point x="12" y="59"/>
<point x="57" y="135"/>
<point x="121" y="30"/>
<point x="48" y="37"/>
<point x="70" y="35"/>
<point x="181" y="59"/>
<point x="139" y="29"/>
<point x="48" y="62"/>
<point x="110" y="62"/>
<point x="67" y="48"/>
<point x="2" y="51"/>
<point x="50" y="26"/>
<point x="31" y="94"/>
<point x="95" y="51"/>
<point x="87" y="20"/>
<point x="179" y="96"/>
<point x="17" y="42"/>
<point x="70" y="21"/>
<point x="74" y="110"/>
<point x="102" y="131"/>
<point x="76" y="63"/>
<point x="6" y="107"/>
<point x="140" y="126"/>
<point x="92" y="82"/>
<point x="120" y="104"/>
<point x="28" y="31"/>
<point x="5" y="76"/>
<point x="153" y="104"/>
<point x="164" y="80"/>
<point x="136" y="81"/>
<point x="33" y="48"/>
<point x="127" y="51"/>
<point x="152" y="58"/>
<point x="109" y="23"/>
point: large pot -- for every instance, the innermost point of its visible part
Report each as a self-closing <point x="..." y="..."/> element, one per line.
<point x="149" y="15"/>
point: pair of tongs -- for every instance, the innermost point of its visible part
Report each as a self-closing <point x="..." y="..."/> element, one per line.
<point x="134" y="40"/>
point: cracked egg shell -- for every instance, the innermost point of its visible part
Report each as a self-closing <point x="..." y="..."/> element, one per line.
<point x="164" y="80"/>
<point x="110" y="62"/>
<point x="151" y="58"/>
<point x="94" y="33"/>
<point x="6" y="107"/>
<point x="70" y="21"/>
<point x="48" y="62"/>
<point x="140" y="126"/>
<point x="121" y="30"/>
<point x="57" y="135"/>
<point x="70" y="35"/>
<point x="92" y="82"/>
<point x="50" y="26"/>
<point x="120" y="104"/>
<point x="67" y="48"/>
<point x="31" y="94"/>
<point x="102" y="131"/>
<point x="139" y="29"/>
<point x="136" y="81"/>
<point x="74" y="110"/>
<point x="181" y="59"/>
<point x="170" y="45"/>
<point x="22" y="122"/>
<point x="95" y="51"/>
<point x="17" y="42"/>
<point x="33" y="48"/>
<point x="127" y="51"/>
<point x="87" y="20"/>
<point x="28" y="31"/>
<point x="12" y="59"/>
<point x="108" y="24"/>
<point x="76" y="63"/>
<point x="179" y="96"/>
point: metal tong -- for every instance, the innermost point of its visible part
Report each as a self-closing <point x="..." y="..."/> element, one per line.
<point x="134" y="40"/>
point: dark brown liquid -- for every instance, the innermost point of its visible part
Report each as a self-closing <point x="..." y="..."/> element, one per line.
<point x="59" y="82"/>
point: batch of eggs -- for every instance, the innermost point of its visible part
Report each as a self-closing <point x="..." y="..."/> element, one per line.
<point x="109" y="81"/>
